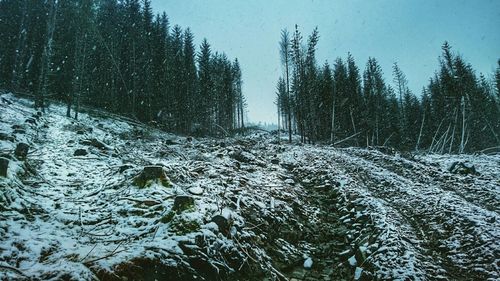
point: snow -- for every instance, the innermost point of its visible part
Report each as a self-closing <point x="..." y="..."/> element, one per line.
<point x="357" y="273"/>
<point x="72" y="215"/>
<point x="352" y="261"/>
<point x="308" y="263"/>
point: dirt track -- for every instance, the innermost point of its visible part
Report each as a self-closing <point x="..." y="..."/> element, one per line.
<point x="446" y="225"/>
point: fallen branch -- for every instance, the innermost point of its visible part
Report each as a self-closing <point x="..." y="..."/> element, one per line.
<point x="114" y="252"/>
<point x="348" y="138"/>
<point x="8" y="267"/>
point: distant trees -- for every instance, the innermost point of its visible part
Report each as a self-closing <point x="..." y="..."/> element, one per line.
<point x="119" y="56"/>
<point x="458" y="111"/>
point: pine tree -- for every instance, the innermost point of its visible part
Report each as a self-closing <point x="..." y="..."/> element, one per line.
<point x="285" y="45"/>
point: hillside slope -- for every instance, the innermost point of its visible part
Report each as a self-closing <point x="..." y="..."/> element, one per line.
<point x="105" y="198"/>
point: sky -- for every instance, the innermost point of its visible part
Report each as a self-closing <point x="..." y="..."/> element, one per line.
<point x="409" y="32"/>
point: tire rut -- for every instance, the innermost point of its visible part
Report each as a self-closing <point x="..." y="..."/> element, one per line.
<point x="440" y="225"/>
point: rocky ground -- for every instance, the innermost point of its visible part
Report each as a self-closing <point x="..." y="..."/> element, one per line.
<point x="107" y="198"/>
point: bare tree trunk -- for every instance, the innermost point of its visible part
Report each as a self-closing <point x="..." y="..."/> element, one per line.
<point x="20" y="49"/>
<point x="332" y="133"/>
<point x="453" y="132"/>
<point x="68" y="104"/>
<point x="420" y="133"/>
<point x="46" y="56"/>
<point x="462" y="146"/>
<point x="353" y="124"/>
<point x="435" y="135"/>
<point x="289" y="107"/>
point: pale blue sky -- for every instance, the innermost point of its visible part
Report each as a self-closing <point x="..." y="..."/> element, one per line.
<point x="408" y="32"/>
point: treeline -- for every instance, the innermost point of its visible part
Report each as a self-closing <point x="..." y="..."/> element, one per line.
<point x="457" y="112"/>
<point x="119" y="56"/>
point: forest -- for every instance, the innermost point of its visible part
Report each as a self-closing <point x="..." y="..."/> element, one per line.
<point x="457" y="112"/>
<point x="119" y="56"/>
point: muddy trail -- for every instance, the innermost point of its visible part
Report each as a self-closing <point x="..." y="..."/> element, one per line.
<point x="108" y="198"/>
<point x="445" y="226"/>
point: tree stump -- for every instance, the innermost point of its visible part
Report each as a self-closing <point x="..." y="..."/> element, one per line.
<point x="150" y="174"/>
<point x="21" y="151"/>
<point x="182" y="203"/>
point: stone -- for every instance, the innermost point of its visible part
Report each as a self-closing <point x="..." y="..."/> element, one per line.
<point x="80" y="152"/>
<point x="80" y="132"/>
<point x="196" y="190"/>
<point x="222" y="223"/>
<point x="463" y="168"/>
<point x="182" y="203"/>
<point x="150" y="174"/>
<point x="275" y="161"/>
<point x="4" y="166"/>
<point x="21" y="151"/>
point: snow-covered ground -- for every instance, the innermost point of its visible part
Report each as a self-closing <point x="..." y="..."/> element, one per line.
<point x="253" y="208"/>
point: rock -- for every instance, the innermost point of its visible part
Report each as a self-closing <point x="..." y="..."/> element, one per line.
<point x="80" y="152"/>
<point x="275" y="161"/>
<point x="308" y="263"/>
<point x="80" y="132"/>
<point x="182" y="203"/>
<point x="19" y="131"/>
<point x="222" y="223"/>
<point x="4" y="166"/>
<point x="196" y="190"/>
<point x="150" y="174"/>
<point x="6" y="137"/>
<point x="462" y="168"/>
<point x="21" y="151"/>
